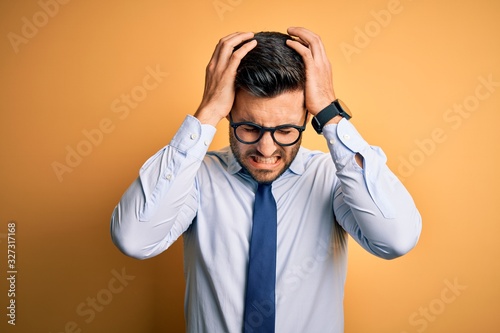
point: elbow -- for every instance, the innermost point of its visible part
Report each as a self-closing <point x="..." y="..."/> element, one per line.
<point x="394" y="250"/>
<point x="128" y="248"/>
<point x="123" y="238"/>
<point x="403" y="240"/>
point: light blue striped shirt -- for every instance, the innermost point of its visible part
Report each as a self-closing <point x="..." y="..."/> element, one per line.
<point x="208" y="198"/>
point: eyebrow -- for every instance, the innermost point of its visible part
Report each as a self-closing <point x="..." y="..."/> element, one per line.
<point x="300" y="124"/>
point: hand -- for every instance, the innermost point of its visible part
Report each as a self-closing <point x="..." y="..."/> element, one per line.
<point x="218" y="97"/>
<point x="319" y="86"/>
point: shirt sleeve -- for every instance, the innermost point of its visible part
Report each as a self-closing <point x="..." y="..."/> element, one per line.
<point x="162" y="202"/>
<point x="370" y="202"/>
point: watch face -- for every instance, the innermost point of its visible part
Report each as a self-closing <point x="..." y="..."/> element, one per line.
<point x="344" y="107"/>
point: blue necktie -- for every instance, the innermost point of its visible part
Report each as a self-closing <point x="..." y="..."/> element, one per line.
<point x="260" y="310"/>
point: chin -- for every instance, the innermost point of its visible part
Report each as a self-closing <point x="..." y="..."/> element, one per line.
<point x="265" y="176"/>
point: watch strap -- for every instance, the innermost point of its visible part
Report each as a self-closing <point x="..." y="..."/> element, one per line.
<point x="328" y="113"/>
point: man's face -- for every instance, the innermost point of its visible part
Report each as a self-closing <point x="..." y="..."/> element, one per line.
<point x="265" y="160"/>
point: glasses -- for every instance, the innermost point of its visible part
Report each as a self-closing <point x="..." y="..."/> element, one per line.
<point x="250" y="133"/>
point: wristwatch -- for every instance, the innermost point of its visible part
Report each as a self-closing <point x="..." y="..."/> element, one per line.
<point x="336" y="108"/>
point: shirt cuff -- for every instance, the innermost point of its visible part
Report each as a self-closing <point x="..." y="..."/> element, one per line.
<point x="193" y="138"/>
<point x="344" y="142"/>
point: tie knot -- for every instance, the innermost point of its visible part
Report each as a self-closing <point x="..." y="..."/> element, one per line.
<point x="265" y="190"/>
<point x="264" y="186"/>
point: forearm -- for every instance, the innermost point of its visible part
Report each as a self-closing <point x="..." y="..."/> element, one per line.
<point x="371" y="203"/>
<point x="145" y="223"/>
<point x="161" y="203"/>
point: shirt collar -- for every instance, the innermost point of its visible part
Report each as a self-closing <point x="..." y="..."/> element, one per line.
<point x="233" y="166"/>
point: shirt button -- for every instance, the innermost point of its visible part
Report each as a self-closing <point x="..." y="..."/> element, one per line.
<point x="332" y="141"/>
<point x="169" y="176"/>
<point x="346" y="136"/>
<point x="193" y="136"/>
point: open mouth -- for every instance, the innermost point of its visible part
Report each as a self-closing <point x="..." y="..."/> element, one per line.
<point x="265" y="162"/>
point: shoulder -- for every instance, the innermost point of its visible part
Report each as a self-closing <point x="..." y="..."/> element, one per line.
<point x="221" y="156"/>
<point x="310" y="161"/>
<point x="221" y="160"/>
<point x="314" y="157"/>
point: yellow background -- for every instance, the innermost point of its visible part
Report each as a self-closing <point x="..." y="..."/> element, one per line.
<point x="401" y="80"/>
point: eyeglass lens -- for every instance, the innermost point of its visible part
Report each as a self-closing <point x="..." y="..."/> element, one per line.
<point x="282" y="135"/>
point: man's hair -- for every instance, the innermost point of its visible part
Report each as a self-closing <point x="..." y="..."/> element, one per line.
<point x="271" y="68"/>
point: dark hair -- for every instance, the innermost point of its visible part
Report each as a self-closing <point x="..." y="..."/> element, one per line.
<point x="271" y="68"/>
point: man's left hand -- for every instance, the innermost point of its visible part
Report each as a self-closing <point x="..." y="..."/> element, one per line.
<point x="319" y="86"/>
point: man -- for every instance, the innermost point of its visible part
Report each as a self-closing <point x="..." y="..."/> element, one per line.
<point x="266" y="85"/>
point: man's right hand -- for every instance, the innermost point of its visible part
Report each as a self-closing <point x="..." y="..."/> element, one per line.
<point x="218" y="97"/>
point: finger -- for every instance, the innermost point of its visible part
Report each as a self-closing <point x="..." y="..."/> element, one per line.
<point x="229" y="44"/>
<point x="217" y="48"/>
<point x="297" y="39"/>
<point x="227" y="39"/>
<point x="239" y="54"/>
<point x="296" y="32"/>
<point x="226" y="46"/>
<point x="300" y="32"/>
<point x="310" y="39"/>
<point x="301" y="49"/>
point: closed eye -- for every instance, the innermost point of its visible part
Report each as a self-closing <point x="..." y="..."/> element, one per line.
<point x="285" y="131"/>
<point x="250" y="129"/>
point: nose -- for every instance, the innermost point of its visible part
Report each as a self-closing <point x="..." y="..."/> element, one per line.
<point x="266" y="145"/>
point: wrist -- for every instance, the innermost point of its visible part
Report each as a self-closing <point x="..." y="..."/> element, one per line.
<point x="207" y="116"/>
<point x="331" y="114"/>
<point x="319" y="106"/>
<point x="334" y="120"/>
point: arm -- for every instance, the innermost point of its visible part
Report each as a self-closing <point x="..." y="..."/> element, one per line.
<point x="370" y="203"/>
<point x="162" y="202"/>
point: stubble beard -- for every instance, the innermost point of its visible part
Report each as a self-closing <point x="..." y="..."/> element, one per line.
<point x="262" y="175"/>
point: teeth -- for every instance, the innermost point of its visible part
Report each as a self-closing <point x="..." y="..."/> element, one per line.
<point x="263" y="160"/>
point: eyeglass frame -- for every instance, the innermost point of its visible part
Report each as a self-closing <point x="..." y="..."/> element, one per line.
<point x="264" y="129"/>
